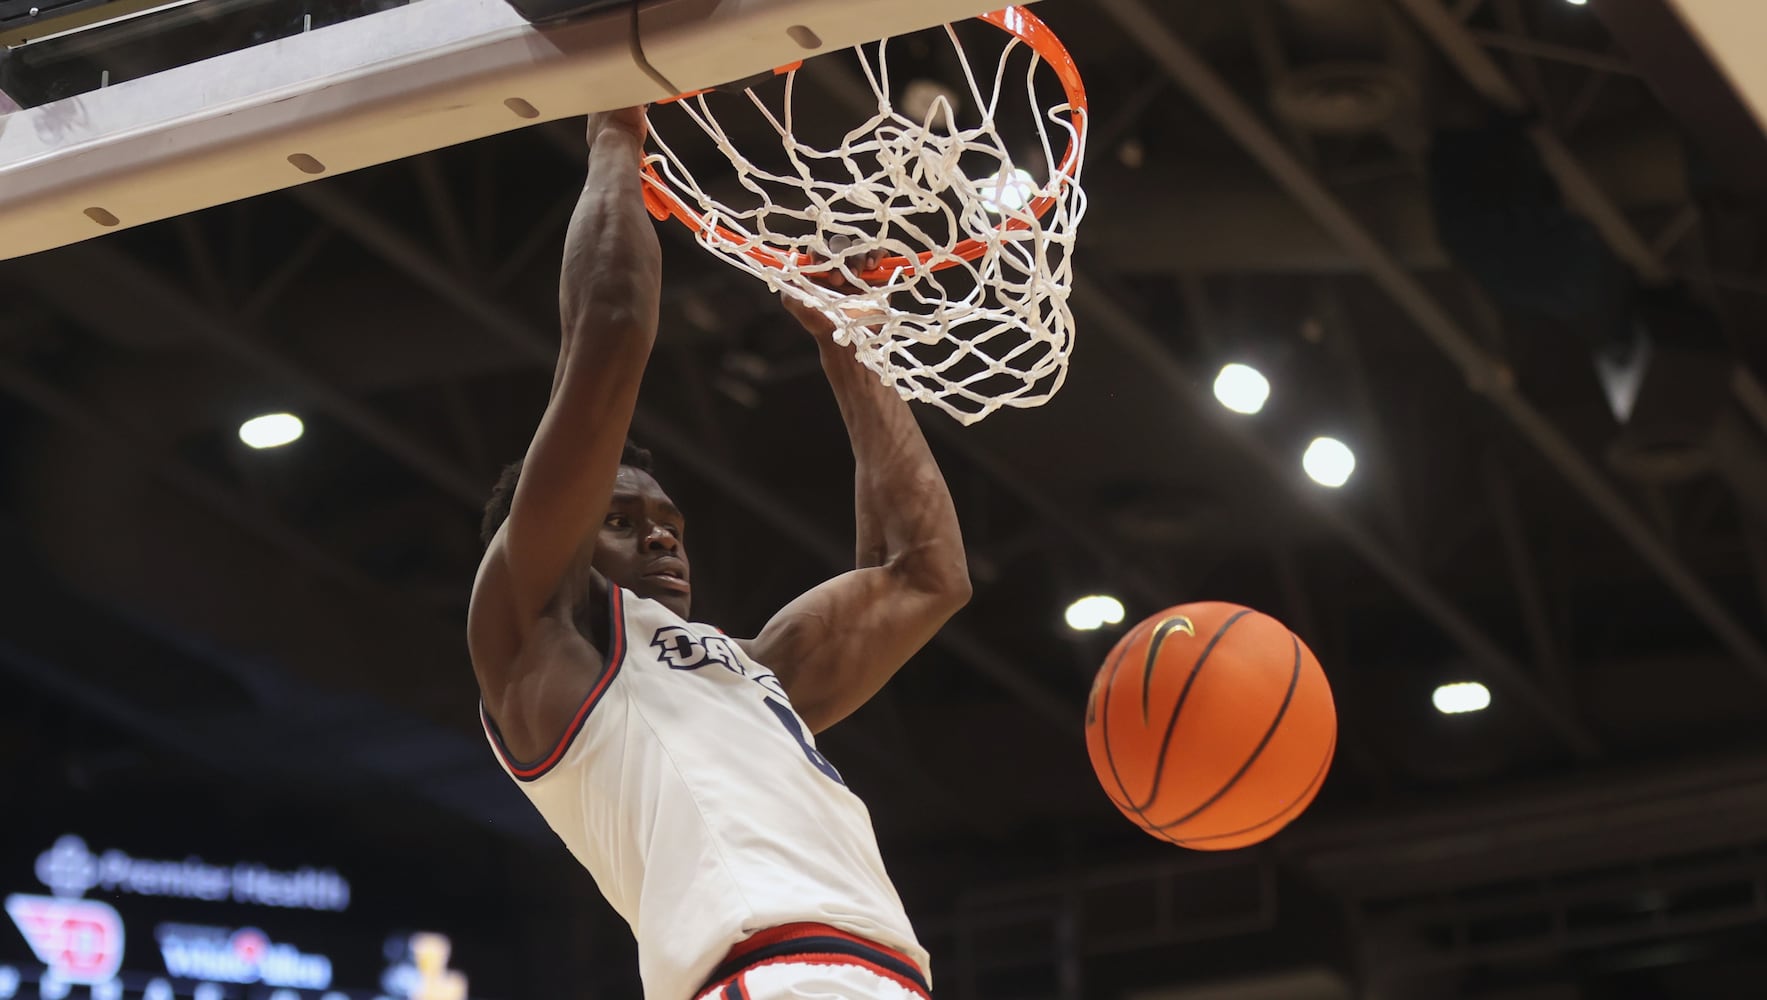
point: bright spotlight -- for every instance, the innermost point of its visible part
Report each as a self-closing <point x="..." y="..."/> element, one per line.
<point x="1008" y="191"/>
<point x="1329" y="462"/>
<point x="1089" y="614"/>
<point x="922" y="96"/>
<point x="272" y="430"/>
<point x="1458" y="699"/>
<point x="1242" y="388"/>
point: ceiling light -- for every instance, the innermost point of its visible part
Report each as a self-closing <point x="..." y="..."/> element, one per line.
<point x="1089" y="614"/>
<point x="1242" y="388"/>
<point x="1008" y="191"/>
<point x="272" y="430"/>
<point x="1458" y="699"/>
<point x="1329" y="462"/>
<point x="922" y="96"/>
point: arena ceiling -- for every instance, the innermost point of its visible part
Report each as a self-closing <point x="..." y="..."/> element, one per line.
<point x="1426" y="222"/>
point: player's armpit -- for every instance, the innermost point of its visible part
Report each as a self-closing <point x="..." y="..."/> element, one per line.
<point x="839" y="643"/>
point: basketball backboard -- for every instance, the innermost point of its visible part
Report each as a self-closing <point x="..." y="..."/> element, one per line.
<point x="368" y="84"/>
<point x="1731" y="32"/>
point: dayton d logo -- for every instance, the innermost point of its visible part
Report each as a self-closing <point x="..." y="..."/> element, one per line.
<point x="80" y="940"/>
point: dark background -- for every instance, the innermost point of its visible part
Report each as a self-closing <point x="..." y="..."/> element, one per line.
<point x="261" y="653"/>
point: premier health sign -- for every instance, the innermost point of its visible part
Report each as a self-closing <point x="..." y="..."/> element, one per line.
<point x="82" y="943"/>
<point x="71" y="869"/>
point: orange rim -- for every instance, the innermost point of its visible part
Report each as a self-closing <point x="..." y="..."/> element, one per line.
<point x="664" y="203"/>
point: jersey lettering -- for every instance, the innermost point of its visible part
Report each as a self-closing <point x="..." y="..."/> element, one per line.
<point x="684" y="649"/>
<point x="771" y="683"/>
<point x="681" y="649"/>
<point x="789" y="719"/>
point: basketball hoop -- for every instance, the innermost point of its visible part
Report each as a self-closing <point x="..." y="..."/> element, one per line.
<point x="968" y="310"/>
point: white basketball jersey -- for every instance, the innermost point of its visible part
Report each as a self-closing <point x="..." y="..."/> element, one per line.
<point x="689" y="788"/>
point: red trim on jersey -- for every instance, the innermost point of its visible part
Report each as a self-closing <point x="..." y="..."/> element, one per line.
<point x="616" y="657"/>
<point x="769" y="940"/>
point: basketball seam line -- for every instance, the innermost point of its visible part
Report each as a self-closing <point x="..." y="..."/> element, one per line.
<point x="1288" y="698"/>
<point x="1287" y="813"/>
<point x="1196" y="669"/>
<point x="1105" y="729"/>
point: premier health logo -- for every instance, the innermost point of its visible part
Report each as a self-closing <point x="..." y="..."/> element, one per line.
<point x="70" y="869"/>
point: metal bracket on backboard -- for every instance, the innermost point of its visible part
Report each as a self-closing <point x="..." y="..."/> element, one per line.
<point x="543" y="12"/>
<point x="547" y="11"/>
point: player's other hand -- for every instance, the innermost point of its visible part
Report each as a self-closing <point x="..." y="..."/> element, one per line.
<point x="812" y="317"/>
<point x="858" y="263"/>
<point x="628" y="120"/>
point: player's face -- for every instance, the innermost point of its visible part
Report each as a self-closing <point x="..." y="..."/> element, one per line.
<point x="640" y="546"/>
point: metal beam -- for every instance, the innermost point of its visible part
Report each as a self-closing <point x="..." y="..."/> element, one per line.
<point x="1151" y="591"/>
<point x="1468" y="55"/>
<point x="1510" y="18"/>
<point x="1524" y="576"/>
<point x="1374" y="441"/>
<point x="440" y="203"/>
<point x="1600" y="62"/>
<point x="129" y="280"/>
<point x="1484" y="374"/>
<point x="198" y="488"/>
<point x="270" y="289"/>
<point x="408" y="256"/>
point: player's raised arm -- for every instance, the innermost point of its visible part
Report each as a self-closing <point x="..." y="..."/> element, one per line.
<point x="838" y="644"/>
<point x="608" y="298"/>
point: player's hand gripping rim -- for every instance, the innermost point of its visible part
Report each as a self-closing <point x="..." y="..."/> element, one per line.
<point x="629" y="121"/>
<point x="817" y="320"/>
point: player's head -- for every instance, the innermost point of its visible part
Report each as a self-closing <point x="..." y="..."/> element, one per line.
<point x="639" y="544"/>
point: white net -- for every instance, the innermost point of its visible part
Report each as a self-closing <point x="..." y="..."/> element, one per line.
<point x="969" y="311"/>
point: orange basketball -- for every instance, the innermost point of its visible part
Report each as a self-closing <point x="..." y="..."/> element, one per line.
<point x="1211" y="726"/>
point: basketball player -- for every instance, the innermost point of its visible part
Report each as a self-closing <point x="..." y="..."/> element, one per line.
<point x="676" y="763"/>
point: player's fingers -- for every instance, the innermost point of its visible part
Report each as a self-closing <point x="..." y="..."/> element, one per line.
<point x="828" y="278"/>
<point x="837" y="247"/>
